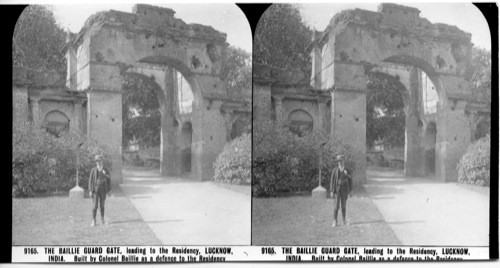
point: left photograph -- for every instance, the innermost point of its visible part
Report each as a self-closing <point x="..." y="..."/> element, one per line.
<point x="131" y="125"/>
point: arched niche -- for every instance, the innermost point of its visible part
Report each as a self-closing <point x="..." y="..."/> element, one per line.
<point x="57" y="123"/>
<point x="300" y="122"/>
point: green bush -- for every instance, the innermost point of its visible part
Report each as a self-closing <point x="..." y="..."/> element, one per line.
<point x="233" y="163"/>
<point x="474" y="166"/>
<point x="283" y="162"/>
<point x="43" y="163"/>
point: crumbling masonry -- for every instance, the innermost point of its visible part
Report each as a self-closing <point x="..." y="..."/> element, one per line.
<point x="394" y="41"/>
<point x="151" y="43"/>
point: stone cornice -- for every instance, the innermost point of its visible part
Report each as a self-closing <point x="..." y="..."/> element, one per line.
<point x="150" y="20"/>
<point x="389" y="20"/>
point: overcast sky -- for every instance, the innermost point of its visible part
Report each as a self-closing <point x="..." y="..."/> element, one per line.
<point x="465" y="16"/>
<point x="226" y="18"/>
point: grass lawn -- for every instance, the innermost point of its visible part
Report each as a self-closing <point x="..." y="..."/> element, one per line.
<point x="58" y="220"/>
<point x="300" y="220"/>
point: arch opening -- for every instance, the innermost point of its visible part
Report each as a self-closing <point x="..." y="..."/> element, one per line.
<point x="401" y="100"/>
<point x="169" y="150"/>
<point x="142" y="100"/>
<point x="387" y="99"/>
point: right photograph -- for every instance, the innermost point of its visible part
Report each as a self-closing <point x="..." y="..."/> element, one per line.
<point x="371" y="125"/>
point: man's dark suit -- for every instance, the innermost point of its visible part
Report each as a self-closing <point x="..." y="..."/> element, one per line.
<point x="100" y="185"/>
<point x="340" y="186"/>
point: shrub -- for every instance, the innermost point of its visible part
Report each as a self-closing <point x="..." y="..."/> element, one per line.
<point x="43" y="163"/>
<point x="474" y="166"/>
<point x="283" y="162"/>
<point x="233" y="163"/>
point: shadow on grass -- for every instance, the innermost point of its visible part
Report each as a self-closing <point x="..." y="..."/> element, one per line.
<point x="382" y="221"/>
<point x="390" y="176"/>
<point x="383" y="191"/>
<point x="301" y="220"/>
<point x="139" y="191"/>
<point x="162" y="221"/>
<point x="63" y="221"/>
<point x="140" y="220"/>
<point x="140" y="197"/>
<point x="383" y="198"/>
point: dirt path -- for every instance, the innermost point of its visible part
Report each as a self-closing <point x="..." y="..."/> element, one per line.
<point x="183" y="212"/>
<point x="424" y="212"/>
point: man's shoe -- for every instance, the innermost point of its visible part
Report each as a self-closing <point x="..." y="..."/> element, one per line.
<point x="93" y="223"/>
<point x="334" y="224"/>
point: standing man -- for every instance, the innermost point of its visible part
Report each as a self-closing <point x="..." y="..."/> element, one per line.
<point x="99" y="187"/>
<point x="341" y="186"/>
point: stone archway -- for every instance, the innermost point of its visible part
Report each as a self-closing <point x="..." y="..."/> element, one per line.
<point x="113" y="43"/>
<point x="419" y="107"/>
<point x="348" y="49"/>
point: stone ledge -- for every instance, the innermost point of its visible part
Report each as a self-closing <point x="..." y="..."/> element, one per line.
<point x="36" y="78"/>
<point x="263" y="73"/>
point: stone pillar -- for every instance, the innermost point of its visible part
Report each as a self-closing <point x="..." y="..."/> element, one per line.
<point x="349" y="125"/>
<point x="71" y="68"/>
<point x="316" y="68"/>
<point x="105" y="124"/>
<point x="348" y="111"/>
<point x="452" y="139"/>
<point x="261" y="102"/>
<point x="35" y="111"/>
<point x="414" y="149"/>
<point x="228" y="114"/>
<point x="20" y="108"/>
<point x="321" y="114"/>
<point x="77" y="116"/>
<point x="278" y="109"/>
<point x="209" y="137"/>
<point x="169" y="154"/>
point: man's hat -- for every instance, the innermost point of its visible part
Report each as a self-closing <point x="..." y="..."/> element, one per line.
<point x="340" y="157"/>
<point x="98" y="157"/>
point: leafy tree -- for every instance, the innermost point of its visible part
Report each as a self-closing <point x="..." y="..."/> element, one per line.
<point x="237" y="69"/>
<point x="141" y="114"/>
<point x="385" y="117"/>
<point x="281" y="38"/>
<point x="481" y="68"/>
<point x="38" y="40"/>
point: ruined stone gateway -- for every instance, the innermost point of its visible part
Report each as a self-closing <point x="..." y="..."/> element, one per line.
<point x="151" y="43"/>
<point x="394" y="41"/>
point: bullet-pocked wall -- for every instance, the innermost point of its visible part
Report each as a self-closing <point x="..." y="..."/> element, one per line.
<point x="356" y="41"/>
<point x="114" y="43"/>
<point x="40" y="97"/>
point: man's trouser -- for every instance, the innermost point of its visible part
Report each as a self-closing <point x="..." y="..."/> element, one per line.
<point x="98" y="198"/>
<point x="340" y="201"/>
